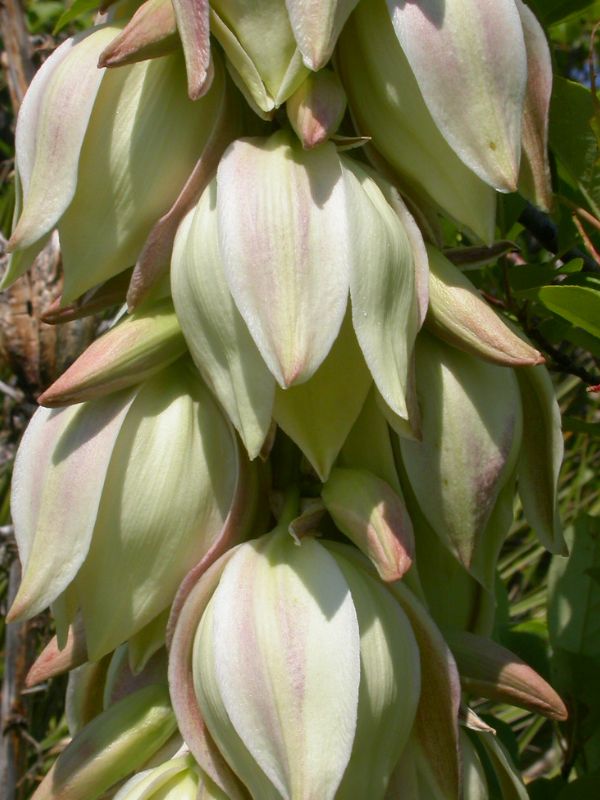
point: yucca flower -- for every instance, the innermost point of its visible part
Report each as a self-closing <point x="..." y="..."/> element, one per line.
<point x="300" y="353"/>
<point x="306" y="672"/>
<point x="130" y="491"/>
<point x="263" y="270"/>
<point x="99" y="159"/>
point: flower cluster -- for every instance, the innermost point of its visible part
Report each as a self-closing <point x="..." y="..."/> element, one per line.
<point x="266" y="506"/>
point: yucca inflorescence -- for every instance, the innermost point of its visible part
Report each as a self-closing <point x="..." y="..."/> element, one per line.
<point x="281" y="483"/>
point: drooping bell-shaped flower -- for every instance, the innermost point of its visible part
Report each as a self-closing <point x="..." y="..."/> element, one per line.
<point x="262" y="272"/>
<point x="98" y="157"/>
<point x="304" y="669"/>
<point x="129" y="491"/>
<point x="294" y="668"/>
<point x="476" y="102"/>
<point x="387" y="104"/>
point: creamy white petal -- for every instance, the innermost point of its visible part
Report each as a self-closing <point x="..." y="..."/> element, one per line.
<point x="286" y="245"/>
<point x="470" y="62"/>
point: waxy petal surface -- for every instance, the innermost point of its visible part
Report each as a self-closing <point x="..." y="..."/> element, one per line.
<point x="193" y="26"/>
<point x="61" y="464"/>
<point x="317" y="25"/>
<point x="368" y="445"/>
<point x="470" y="62"/>
<point x="286" y="245"/>
<point x="133" y="164"/>
<point x="188" y="608"/>
<point x="535" y="181"/>
<point x="219" y="341"/>
<point x="152" y="265"/>
<point x="390" y="685"/>
<point x="541" y="457"/>
<point x="157" y="523"/>
<point x="285" y="643"/>
<point x="386" y="103"/>
<point x="472" y="418"/>
<point x="385" y="310"/>
<point x="436" y="724"/>
<point x="51" y="129"/>
<point x="318" y="414"/>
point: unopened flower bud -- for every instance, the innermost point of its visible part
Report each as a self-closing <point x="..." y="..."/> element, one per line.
<point x="137" y="348"/>
<point x="458" y="314"/>
<point x="267" y="69"/>
<point x="316" y="108"/>
<point x="489" y="670"/>
<point x="374" y="517"/>
<point x="151" y="32"/>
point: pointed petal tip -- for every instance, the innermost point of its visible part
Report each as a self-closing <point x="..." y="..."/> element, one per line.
<point x="13" y="242"/>
<point x="50" y="399"/>
<point x="17" y="612"/>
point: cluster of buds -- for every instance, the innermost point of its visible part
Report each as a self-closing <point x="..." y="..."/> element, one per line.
<point x="267" y="505"/>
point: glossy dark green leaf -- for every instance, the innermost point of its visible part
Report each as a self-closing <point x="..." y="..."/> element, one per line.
<point x="76" y="10"/>
<point x="594" y="573"/>
<point x="545" y="789"/>
<point x="573" y="139"/>
<point x="579" y="305"/>
<point x="552" y="11"/>
<point x="585" y="788"/>
<point x="575" y="425"/>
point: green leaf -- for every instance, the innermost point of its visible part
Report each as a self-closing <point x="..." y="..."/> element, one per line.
<point x="557" y="330"/>
<point x="529" y="640"/>
<point x="524" y="278"/>
<point x="75" y="11"/>
<point x="575" y="425"/>
<point x="579" y="305"/>
<point x="594" y="573"/>
<point x="552" y="11"/>
<point x="544" y="789"/>
<point x="573" y="140"/>
<point x="582" y="789"/>
<point x="574" y="597"/>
